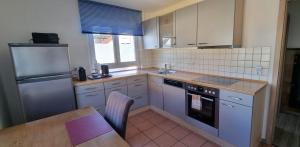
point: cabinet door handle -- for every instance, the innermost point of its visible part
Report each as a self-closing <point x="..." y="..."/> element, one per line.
<point x="236" y="98"/>
<point x="202" y="43"/>
<point x="116" y="83"/>
<point x="191" y="44"/>
<point x="227" y="105"/>
<point x="91" y="95"/>
<point x="138" y="85"/>
<point x="137" y="79"/>
<point x="91" y="88"/>
<point x="119" y="89"/>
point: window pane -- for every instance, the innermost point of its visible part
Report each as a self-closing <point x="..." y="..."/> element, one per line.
<point x="127" y="48"/>
<point x="104" y="49"/>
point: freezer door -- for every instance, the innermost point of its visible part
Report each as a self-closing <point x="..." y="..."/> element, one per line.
<point x="40" y="61"/>
<point x="46" y="98"/>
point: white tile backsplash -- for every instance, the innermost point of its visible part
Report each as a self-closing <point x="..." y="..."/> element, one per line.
<point x="237" y="62"/>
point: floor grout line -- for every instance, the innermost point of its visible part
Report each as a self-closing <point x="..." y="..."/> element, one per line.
<point x="167" y="132"/>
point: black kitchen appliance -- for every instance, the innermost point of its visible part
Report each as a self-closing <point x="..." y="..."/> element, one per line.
<point x="105" y="71"/>
<point x="45" y="38"/>
<point x="203" y="104"/>
<point x="81" y="74"/>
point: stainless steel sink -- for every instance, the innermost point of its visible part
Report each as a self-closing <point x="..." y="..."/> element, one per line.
<point x="162" y="71"/>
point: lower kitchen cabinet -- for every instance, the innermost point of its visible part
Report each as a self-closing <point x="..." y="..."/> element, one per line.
<point x="94" y="99"/>
<point x="138" y="91"/>
<point x="241" y="117"/>
<point x="174" y="101"/>
<point x="91" y="96"/>
<point x="156" y="95"/>
<point x="116" y="85"/>
<point x="235" y="123"/>
<point x="121" y="89"/>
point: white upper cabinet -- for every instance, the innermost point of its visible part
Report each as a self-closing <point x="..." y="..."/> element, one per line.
<point x="219" y="23"/>
<point x="167" y="30"/>
<point x="207" y="24"/>
<point x="186" y="27"/>
<point x="151" y="33"/>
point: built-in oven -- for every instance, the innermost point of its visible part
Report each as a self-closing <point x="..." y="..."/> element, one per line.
<point x="203" y="104"/>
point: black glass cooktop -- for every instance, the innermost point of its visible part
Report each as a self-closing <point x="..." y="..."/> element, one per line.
<point x="217" y="80"/>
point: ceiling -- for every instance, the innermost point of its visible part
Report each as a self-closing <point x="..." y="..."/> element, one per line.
<point x="143" y="5"/>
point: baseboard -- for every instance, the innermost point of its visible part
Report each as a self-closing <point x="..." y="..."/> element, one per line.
<point x="192" y="128"/>
<point x="139" y="110"/>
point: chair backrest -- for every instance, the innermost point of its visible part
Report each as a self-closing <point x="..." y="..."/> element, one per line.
<point x="116" y="111"/>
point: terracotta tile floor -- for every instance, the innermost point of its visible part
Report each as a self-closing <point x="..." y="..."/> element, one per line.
<point x="149" y="129"/>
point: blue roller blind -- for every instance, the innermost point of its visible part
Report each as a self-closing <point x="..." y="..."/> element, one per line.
<point x="100" y="18"/>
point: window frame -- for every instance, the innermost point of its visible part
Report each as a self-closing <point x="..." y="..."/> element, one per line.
<point x="118" y="63"/>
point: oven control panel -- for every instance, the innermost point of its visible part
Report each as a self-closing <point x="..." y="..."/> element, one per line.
<point x="203" y="90"/>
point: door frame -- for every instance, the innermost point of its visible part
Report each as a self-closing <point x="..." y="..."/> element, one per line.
<point x="277" y="70"/>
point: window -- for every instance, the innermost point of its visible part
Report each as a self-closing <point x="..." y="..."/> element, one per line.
<point x="117" y="51"/>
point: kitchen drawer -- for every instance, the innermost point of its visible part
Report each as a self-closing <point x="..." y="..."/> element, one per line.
<point x="155" y="79"/>
<point x="137" y="88"/>
<point x="140" y="100"/>
<point x="89" y="88"/>
<point x="121" y="89"/>
<point x="135" y="79"/>
<point x="94" y="99"/>
<point x="115" y="83"/>
<point x="235" y="97"/>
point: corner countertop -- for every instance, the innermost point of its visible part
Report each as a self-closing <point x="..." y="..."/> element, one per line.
<point x="249" y="87"/>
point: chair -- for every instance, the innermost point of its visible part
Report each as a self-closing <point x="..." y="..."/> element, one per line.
<point x="116" y="111"/>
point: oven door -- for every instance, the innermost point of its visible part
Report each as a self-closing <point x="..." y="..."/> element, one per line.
<point x="202" y="108"/>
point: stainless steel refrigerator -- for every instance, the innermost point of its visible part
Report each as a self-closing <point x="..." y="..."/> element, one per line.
<point x="43" y="77"/>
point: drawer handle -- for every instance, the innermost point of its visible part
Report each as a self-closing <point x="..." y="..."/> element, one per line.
<point x="137" y="85"/>
<point x="92" y="88"/>
<point x="236" y="98"/>
<point x="137" y="79"/>
<point x="117" y="89"/>
<point x="227" y="105"/>
<point x="191" y="44"/>
<point x="116" y="83"/>
<point x="90" y="95"/>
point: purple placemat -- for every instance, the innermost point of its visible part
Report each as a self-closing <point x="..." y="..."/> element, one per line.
<point x="86" y="128"/>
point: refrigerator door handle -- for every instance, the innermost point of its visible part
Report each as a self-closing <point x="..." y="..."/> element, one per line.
<point x="41" y="79"/>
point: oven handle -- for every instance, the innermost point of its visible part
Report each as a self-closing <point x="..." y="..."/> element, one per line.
<point x="208" y="99"/>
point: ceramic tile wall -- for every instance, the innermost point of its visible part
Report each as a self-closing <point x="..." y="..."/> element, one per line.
<point x="238" y="62"/>
<point x="145" y="58"/>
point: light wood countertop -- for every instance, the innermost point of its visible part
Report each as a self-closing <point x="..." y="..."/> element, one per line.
<point x="51" y="132"/>
<point x="249" y="87"/>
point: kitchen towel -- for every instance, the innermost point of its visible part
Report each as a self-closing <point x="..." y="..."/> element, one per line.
<point x="86" y="128"/>
<point x="196" y="102"/>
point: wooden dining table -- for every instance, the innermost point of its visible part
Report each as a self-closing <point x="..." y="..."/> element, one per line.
<point x="51" y="132"/>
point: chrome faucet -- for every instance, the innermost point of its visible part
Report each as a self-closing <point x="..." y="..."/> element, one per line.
<point x="166" y="70"/>
<point x="166" y="67"/>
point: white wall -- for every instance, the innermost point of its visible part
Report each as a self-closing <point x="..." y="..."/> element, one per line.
<point x="21" y="17"/>
<point x="294" y="27"/>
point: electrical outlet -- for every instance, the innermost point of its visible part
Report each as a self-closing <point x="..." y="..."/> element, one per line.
<point x="259" y="70"/>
